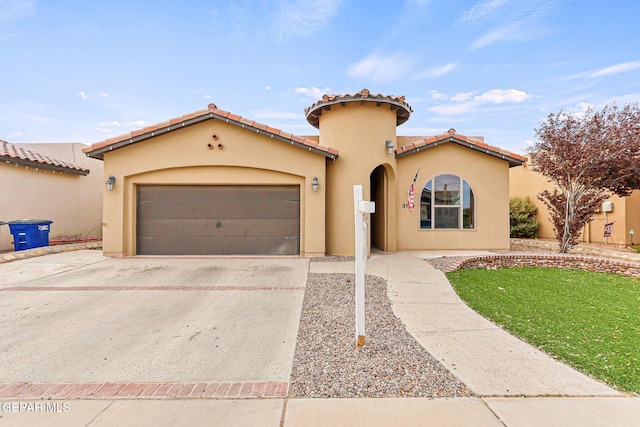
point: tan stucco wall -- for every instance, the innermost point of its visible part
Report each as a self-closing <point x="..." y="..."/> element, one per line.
<point x="525" y="182"/>
<point x="72" y="202"/>
<point x="489" y="179"/>
<point x="182" y="157"/>
<point x="633" y="216"/>
<point x="358" y="131"/>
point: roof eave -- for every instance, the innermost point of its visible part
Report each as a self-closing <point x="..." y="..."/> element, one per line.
<point x="99" y="152"/>
<point x="512" y="160"/>
<point x="315" y="111"/>
<point x="43" y="166"/>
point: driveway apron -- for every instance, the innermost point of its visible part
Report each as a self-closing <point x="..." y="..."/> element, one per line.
<point x="90" y="319"/>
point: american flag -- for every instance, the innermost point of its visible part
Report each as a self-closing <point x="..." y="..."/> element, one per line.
<point x="412" y="190"/>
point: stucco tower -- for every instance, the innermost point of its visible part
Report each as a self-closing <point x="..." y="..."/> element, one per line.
<point x="362" y="127"/>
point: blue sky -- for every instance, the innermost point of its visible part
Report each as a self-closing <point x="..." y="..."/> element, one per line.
<point x="80" y="71"/>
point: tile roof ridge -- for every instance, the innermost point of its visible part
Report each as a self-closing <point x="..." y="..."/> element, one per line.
<point x="363" y="94"/>
<point x="452" y="133"/>
<point x="212" y="110"/>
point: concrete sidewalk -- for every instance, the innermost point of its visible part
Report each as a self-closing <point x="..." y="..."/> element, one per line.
<point x="514" y="384"/>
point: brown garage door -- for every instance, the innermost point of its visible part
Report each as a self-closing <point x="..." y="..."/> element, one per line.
<point x="218" y="220"/>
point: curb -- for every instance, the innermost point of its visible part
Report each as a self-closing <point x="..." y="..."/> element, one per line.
<point x="48" y="250"/>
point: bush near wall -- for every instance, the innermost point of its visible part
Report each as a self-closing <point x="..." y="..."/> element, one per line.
<point x="522" y="218"/>
<point x="575" y="262"/>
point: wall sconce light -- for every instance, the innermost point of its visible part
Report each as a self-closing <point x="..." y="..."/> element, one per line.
<point x="110" y="182"/>
<point x="315" y="184"/>
<point x="631" y="233"/>
<point x="389" y="146"/>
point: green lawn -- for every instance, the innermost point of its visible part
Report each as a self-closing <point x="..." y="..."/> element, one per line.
<point x="588" y="320"/>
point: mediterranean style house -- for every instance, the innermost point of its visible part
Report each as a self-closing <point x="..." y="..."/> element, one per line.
<point x="215" y="183"/>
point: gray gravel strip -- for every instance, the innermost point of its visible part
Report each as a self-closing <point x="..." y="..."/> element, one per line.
<point x="391" y="364"/>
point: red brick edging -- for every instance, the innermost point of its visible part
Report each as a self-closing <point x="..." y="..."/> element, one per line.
<point x="575" y="262"/>
<point x="154" y="390"/>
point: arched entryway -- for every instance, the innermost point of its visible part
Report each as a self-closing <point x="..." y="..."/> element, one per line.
<point x="382" y="194"/>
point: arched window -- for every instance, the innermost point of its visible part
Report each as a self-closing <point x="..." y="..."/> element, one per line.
<point x="447" y="202"/>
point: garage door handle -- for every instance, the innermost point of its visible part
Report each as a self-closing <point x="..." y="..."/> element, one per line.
<point x="219" y="224"/>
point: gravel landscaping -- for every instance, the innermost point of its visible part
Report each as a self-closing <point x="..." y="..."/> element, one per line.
<point x="391" y="364"/>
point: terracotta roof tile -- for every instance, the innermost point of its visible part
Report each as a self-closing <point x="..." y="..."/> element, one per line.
<point x="247" y="121"/>
<point x="10" y="153"/>
<point x="273" y="130"/>
<point x="314" y="112"/>
<point x="96" y="150"/>
<point x="420" y="142"/>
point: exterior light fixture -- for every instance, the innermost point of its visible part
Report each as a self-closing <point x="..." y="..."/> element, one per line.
<point x="389" y="146"/>
<point x="631" y="233"/>
<point x="110" y="182"/>
<point x="315" y="184"/>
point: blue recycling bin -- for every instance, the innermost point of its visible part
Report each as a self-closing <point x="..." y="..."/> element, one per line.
<point x="30" y="233"/>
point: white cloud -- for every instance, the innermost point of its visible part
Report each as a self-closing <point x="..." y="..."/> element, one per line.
<point x="615" y="69"/>
<point x="454" y="109"/>
<point x="104" y="94"/>
<point x="509" y="32"/>
<point x="437" y="72"/>
<point x="481" y="11"/>
<point x="462" y="96"/>
<point x="82" y="95"/>
<point x="436" y="95"/>
<point x="267" y="88"/>
<point x="302" y="18"/>
<point x="109" y="127"/>
<point x="521" y="21"/>
<point x="380" y="68"/>
<point x="313" y="92"/>
<point x="464" y="102"/>
<point x="579" y="109"/>
<point x="499" y="96"/>
<point x="115" y="124"/>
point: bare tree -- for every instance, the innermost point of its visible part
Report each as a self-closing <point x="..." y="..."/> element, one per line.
<point x="588" y="158"/>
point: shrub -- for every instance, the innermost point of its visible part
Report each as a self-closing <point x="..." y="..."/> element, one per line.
<point x="522" y="218"/>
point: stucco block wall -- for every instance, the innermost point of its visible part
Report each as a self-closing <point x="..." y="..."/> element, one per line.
<point x="72" y="202"/>
<point x="523" y="181"/>
<point x="183" y="157"/>
<point x="489" y="179"/>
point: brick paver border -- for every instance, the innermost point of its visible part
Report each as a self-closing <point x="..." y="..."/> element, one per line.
<point x="576" y="262"/>
<point x="145" y="390"/>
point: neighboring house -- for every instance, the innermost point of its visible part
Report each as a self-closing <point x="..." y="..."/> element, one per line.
<point x="624" y="214"/>
<point x="53" y="182"/>
<point x="213" y="182"/>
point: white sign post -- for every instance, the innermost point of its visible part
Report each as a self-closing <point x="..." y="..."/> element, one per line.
<point x="360" y="208"/>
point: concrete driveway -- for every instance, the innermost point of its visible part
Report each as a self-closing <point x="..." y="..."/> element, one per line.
<point x="79" y="317"/>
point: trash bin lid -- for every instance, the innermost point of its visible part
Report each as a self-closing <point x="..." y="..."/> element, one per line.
<point x="31" y="221"/>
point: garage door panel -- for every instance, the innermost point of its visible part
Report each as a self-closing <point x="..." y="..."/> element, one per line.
<point x="200" y="220"/>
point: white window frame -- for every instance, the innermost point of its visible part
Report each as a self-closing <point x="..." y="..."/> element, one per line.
<point x="459" y="206"/>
